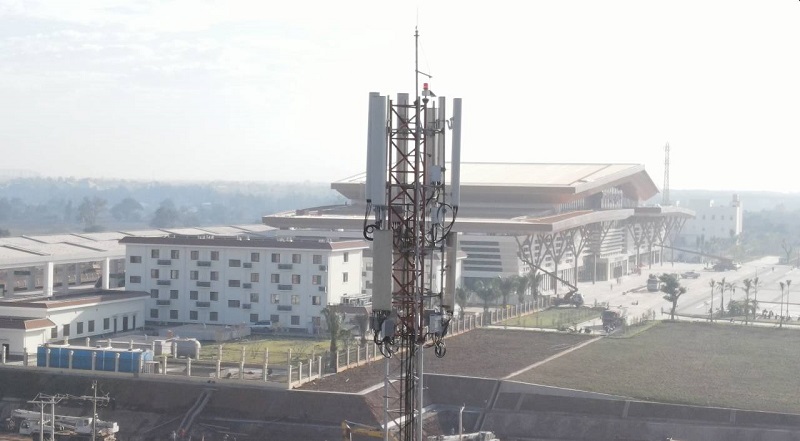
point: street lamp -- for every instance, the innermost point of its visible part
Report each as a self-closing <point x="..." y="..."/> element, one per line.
<point x="780" y="323"/>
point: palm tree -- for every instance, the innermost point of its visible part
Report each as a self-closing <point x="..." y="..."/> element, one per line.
<point x="506" y="285"/>
<point x="523" y="283"/>
<point x="755" y="298"/>
<point x="748" y="285"/>
<point x="672" y="290"/>
<point x="722" y="288"/>
<point x="712" y="284"/>
<point x="462" y="298"/>
<point x="488" y="291"/>
<point x="535" y="282"/>
<point x="732" y="288"/>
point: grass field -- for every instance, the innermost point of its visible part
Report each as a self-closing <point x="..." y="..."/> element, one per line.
<point x="694" y="363"/>
<point x="278" y="347"/>
<point x="554" y="318"/>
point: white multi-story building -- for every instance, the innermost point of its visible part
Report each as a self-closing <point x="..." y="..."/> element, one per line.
<point x="229" y="281"/>
<point x="712" y="221"/>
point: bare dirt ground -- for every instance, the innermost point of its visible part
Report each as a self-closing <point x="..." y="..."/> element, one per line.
<point x="487" y="353"/>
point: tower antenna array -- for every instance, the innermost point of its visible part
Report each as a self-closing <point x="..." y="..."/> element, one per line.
<point x="410" y="214"/>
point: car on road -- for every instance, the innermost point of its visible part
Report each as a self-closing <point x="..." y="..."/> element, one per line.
<point x="690" y="275"/>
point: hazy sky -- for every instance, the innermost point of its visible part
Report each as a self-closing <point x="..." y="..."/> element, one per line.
<point x="269" y="90"/>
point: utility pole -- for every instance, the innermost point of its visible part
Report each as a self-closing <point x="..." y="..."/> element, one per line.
<point x="94" y="409"/>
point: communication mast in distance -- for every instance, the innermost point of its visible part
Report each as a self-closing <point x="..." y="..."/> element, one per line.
<point x="412" y="197"/>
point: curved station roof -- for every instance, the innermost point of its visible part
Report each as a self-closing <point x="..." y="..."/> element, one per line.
<point x="506" y="198"/>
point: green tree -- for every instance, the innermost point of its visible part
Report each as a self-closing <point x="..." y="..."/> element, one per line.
<point x="673" y="290"/>
<point x="166" y="216"/>
<point x="128" y="209"/>
<point x="334" y="319"/>
<point x="488" y="291"/>
<point x="362" y="320"/>
<point x="89" y="210"/>
<point x="748" y="285"/>
<point x="722" y="287"/>
<point x="535" y="282"/>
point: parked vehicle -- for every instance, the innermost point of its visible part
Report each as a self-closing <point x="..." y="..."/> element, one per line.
<point x="690" y="275"/>
<point x="612" y="319"/>
<point x="653" y="284"/>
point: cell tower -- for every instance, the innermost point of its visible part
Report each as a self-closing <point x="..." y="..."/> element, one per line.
<point x="665" y="195"/>
<point x="412" y="213"/>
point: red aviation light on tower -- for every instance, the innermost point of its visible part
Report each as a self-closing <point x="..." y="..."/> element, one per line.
<point x="426" y="91"/>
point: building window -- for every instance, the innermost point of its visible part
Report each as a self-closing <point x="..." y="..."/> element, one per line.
<point x="276" y="258"/>
<point x="346" y="257"/>
<point x="213" y="316"/>
<point x="213" y="296"/>
<point x="136" y="259"/>
<point x="234" y="283"/>
<point x="316" y="259"/>
<point x="276" y="298"/>
<point x="233" y="263"/>
<point x="80" y="328"/>
<point x="295" y="299"/>
<point x="253" y="318"/>
<point x="194" y="255"/>
<point x="275" y="278"/>
<point x="296" y="258"/>
<point x="215" y="255"/>
<point x="173" y="274"/>
<point x="173" y="294"/>
<point x="316" y="300"/>
<point x="233" y="304"/>
<point x="91" y="325"/>
<point x="66" y="330"/>
<point x="253" y="297"/>
<point x="192" y="315"/>
<point x="54" y="332"/>
<point x="136" y="279"/>
<point x="316" y="280"/>
<point x="174" y="254"/>
<point x="173" y="314"/>
<point x="275" y="318"/>
<point x="255" y="257"/>
<point x="193" y="295"/>
<point x="154" y="273"/>
<point x="295" y="279"/>
<point x="154" y="313"/>
<point x="106" y="324"/>
<point x="154" y="254"/>
<point x="194" y="275"/>
<point x="295" y="320"/>
<point x="154" y="293"/>
<point x="214" y="275"/>
<point x="254" y="277"/>
<point x="344" y="277"/>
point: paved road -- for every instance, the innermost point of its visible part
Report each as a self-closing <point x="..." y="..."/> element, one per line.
<point x="631" y="293"/>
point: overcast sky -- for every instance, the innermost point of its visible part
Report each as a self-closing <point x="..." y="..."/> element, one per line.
<point x="268" y="90"/>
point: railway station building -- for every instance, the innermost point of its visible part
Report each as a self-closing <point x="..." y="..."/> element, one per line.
<point x="582" y="222"/>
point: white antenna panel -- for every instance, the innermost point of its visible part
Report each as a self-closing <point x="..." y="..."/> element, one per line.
<point x="376" y="150"/>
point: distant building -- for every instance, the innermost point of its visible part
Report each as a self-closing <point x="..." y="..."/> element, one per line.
<point x="27" y="322"/>
<point x="230" y="281"/>
<point x="712" y="221"/>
